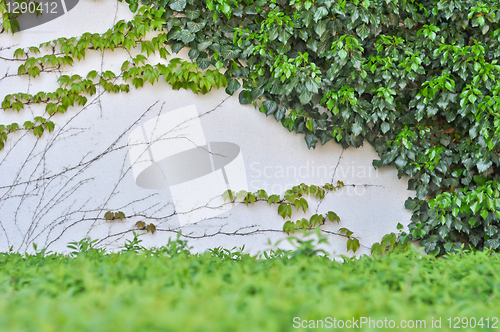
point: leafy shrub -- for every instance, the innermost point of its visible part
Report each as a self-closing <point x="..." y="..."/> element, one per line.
<point x="416" y="79"/>
<point x="169" y="288"/>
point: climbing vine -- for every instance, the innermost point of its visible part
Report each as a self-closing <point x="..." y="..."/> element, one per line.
<point x="75" y="90"/>
<point x="419" y="80"/>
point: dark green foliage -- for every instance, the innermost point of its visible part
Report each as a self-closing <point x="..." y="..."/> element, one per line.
<point x="294" y="197"/>
<point x="416" y="79"/>
<point x="172" y="289"/>
<point x="74" y="90"/>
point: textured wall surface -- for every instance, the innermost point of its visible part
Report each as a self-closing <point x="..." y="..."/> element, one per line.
<point x="164" y="157"/>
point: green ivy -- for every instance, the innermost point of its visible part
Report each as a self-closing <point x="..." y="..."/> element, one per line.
<point x="419" y="80"/>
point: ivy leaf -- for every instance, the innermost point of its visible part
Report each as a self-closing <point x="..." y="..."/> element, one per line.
<point x="271" y="106"/>
<point x="228" y="195"/>
<point x="316" y="219"/>
<point x="242" y="194"/>
<point x="474" y="207"/>
<point x="363" y="31"/>
<point x="305" y="96"/>
<point x="15" y="24"/>
<point x="244" y="97"/>
<point x="353" y="244"/>
<point x="203" y="63"/>
<point x="411" y="204"/>
<point x="421" y="191"/>
<point x="431" y="111"/>
<point x="148" y="47"/>
<point x="192" y="14"/>
<point x="408" y="22"/>
<point x="238" y="11"/>
<point x="325" y="137"/>
<point x="285" y="210"/>
<point x="312" y="85"/>
<point x="178" y="5"/>
<point x="401" y="162"/>
<point x="28" y="125"/>
<point x="229" y="53"/>
<point x="203" y="45"/>
<point x="492" y="243"/>
<point x="333" y="217"/>
<point x="311" y="140"/>
<point x="345" y="231"/>
<point x="49" y="125"/>
<point x="430" y="244"/>
<point x="133" y="7"/>
<point x="310" y="125"/>
<point x="151" y="228"/>
<point x="273" y="199"/>
<point x="256" y="93"/>
<point x="448" y="246"/>
<point x="289" y="227"/>
<point x="177" y="47"/>
<point x="485" y="29"/>
<point x="251" y="10"/>
<point x="480" y="179"/>
<point x="425" y="178"/>
<point x="474" y="239"/>
<point x="280" y="113"/>
<point x="388" y="157"/>
<point x="320" y="28"/>
<point x="232" y="86"/>
<point x="303" y="223"/>
<point x="491" y="230"/>
<point x="38" y="131"/>
<point x="385" y="127"/>
<point x="483" y="165"/>
<point x="319" y="13"/>
<point x="193" y="54"/>
<point x="272" y="34"/>
<point x="357" y="128"/>
<point x="195" y="27"/>
<point x="262" y="194"/>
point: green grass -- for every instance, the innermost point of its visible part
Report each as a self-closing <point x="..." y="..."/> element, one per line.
<point x="169" y="289"/>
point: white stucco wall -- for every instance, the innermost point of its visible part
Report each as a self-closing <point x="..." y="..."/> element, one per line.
<point x="56" y="189"/>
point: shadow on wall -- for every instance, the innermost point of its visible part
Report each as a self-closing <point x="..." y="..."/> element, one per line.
<point x="26" y="15"/>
